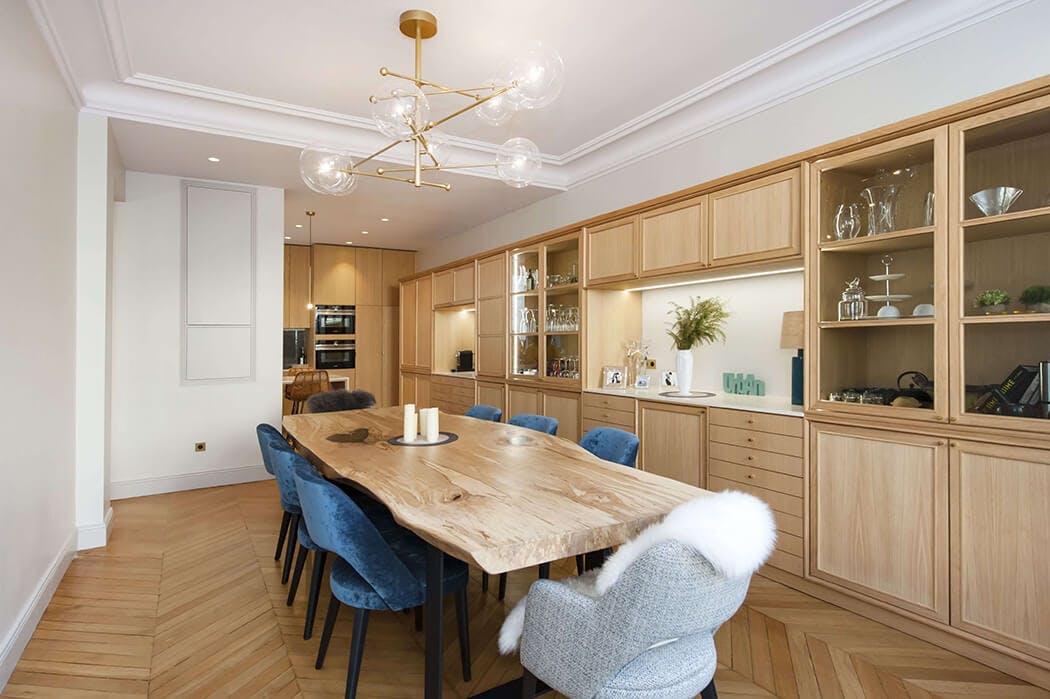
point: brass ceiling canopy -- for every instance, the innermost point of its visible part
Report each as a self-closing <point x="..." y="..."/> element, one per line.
<point x="401" y="110"/>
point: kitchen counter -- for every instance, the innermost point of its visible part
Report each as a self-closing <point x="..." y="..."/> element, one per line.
<point x="456" y="374"/>
<point x="778" y="405"/>
<point x="344" y="380"/>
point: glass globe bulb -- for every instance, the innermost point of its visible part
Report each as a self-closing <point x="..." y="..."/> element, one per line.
<point x="438" y="146"/>
<point x="497" y="110"/>
<point x="399" y="108"/>
<point x="327" y="170"/>
<point x="518" y="161"/>
<point x="539" y="73"/>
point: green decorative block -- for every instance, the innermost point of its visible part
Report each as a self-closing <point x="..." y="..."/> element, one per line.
<point x="743" y="385"/>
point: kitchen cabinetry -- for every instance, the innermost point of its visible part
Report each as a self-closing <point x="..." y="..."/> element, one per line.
<point x="335" y="276"/>
<point x="368" y="277"/>
<point x="396" y="264"/>
<point x="369" y="355"/>
<point x="672" y="238"/>
<point x="758" y="220"/>
<point x="563" y="406"/>
<point x="415" y="388"/>
<point x="463" y="285"/>
<point x="601" y="410"/>
<point x="672" y="441"/>
<point x="297" y="313"/>
<point x="492" y="393"/>
<point x="490" y="352"/>
<point x="452" y="394"/>
<point x="610" y="250"/>
<point x="522" y="399"/>
<point x="416" y="317"/>
<point x="879" y="515"/>
<point x="443" y="288"/>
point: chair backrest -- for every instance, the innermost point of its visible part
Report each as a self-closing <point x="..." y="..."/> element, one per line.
<point x="485" y="412"/>
<point x="540" y="423"/>
<point x="307" y="383"/>
<point x="265" y="433"/>
<point x="332" y="401"/>
<point x="279" y="451"/>
<point x="338" y="525"/>
<point x="611" y="444"/>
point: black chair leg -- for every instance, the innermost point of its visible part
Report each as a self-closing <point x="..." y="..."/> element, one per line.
<point x="326" y="635"/>
<point x="579" y="564"/>
<point x="286" y="519"/>
<point x="418" y="613"/>
<point x="464" y="632"/>
<point x="502" y="586"/>
<point x="544" y="572"/>
<point x="484" y="581"/>
<point x="357" y="651"/>
<point x="528" y="685"/>
<point x="315" y="591"/>
<point x="293" y="539"/>
<point x="709" y="691"/>
<point x="300" y="561"/>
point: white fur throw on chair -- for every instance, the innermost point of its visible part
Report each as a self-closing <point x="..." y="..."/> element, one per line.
<point x="734" y="531"/>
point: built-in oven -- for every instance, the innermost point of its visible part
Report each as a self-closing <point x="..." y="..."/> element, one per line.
<point x="334" y="354"/>
<point x="334" y="320"/>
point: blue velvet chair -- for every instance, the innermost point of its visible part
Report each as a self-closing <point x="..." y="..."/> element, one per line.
<point x="486" y="412"/>
<point x="374" y="570"/>
<point x="610" y="444"/>
<point x="267" y="434"/>
<point x="540" y="423"/>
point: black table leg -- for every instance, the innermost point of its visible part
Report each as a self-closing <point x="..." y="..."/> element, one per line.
<point x="435" y="596"/>
<point x="512" y="690"/>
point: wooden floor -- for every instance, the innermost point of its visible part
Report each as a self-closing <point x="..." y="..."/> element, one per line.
<point x="186" y="601"/>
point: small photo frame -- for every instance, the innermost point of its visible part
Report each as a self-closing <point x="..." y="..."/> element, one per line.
<point x="614" y="376"/>
<point x="641" y="381"/>
<point x="669" y="379"/>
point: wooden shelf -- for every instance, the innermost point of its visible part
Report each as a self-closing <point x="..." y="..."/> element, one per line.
<point x="877" y="322"/>
<point x="531" y="292"/>
<point x="910" y="239"/>
<point x="562" y="332"/>
<point x="1008" y="224"/>
<point x="563" y="287"/>
<point x="525" y="334"/>
<point x="1007" y="318"/>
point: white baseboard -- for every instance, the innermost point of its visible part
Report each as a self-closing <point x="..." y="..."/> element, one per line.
<point x="187" y="481"/>
<point x="93" y="536"/>
<point x="12" y="646"/>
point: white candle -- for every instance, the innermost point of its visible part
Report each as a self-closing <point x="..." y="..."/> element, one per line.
<point x="410" y="422"/>
<point x="431" y="431"/>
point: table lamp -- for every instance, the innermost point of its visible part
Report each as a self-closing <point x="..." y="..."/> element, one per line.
<point x="793" y="336"/>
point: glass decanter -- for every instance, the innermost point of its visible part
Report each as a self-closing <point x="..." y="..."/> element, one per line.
<point x="853" y="306"/>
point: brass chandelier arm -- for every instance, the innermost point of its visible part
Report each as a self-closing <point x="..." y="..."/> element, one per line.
<point x="441" y="89"/>
<point x="379" y="152"/>
<point x="481" y="101"/>
<point x="426" y="148"/>
<point x="409" y="180"/>
<point x="426" y="168"/>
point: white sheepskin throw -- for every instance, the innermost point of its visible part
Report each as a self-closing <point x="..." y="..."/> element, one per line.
<point x="734" y="531"/>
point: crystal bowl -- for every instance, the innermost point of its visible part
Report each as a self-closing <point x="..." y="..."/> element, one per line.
<point x="995" y="200"/>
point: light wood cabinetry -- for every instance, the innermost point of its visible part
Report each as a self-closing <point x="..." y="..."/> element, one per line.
<point x="522" y="399"/>
<point x="369" y="355"/>
<point x="610" y="251"/>
<point x="368" y="277"/>
<point x="416" y="322"/>
<point x="297" y="313"/>
<point x="563" y="406"/>
<point x="757" y="221"/>
<point x="492" y="393"/>
<point x="672" y="441"/>
<point x="490" y="353"/>
<point x="1000" y="503"/>
<point x="672" y="238"/>
<point x="389" y="365"/>
<point x="601" y="410"/>
<point x="492" y="276"/>
<point x="443" y="288"/>
<point x="335" y="276"/>
<point x="415" y="388"/>
<point x="452" y="394"/>
<point x="463" y="285"/>
<point x="879" y="516"/>
<point x="396" y="264"/>
<point x="424" y="323"/>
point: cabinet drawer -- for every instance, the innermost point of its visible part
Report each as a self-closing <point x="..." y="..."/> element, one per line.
<point x="786" y="562"/>
<point x="586" y="425"/>
<point x="765" y="441"/>
<point x="766" y="460"/>
<point x="614" y="418"/>
<point x="780" y="502"/>
<point x="601" y="400"/>
<point x="789" y="485"/>
<point x="763" y="422"/>
<point x="789" y="543"/>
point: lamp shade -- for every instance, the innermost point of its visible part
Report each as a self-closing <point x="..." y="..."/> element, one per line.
<point x="793" y="330"/>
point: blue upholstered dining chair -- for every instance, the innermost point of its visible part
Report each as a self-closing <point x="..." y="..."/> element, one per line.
<point x="289" y="506"/>
<point x="610" y="444"/>
<point x="374" y="570"/>
<point x="485" y="412"/>
<point x="540" y="423"/>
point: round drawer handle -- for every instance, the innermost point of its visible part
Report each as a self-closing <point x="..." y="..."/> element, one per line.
<point x="750" y="458"/>
<point x="750" y="421"/>
<point x="750" y="440"/>
<point x="751" y="476"/>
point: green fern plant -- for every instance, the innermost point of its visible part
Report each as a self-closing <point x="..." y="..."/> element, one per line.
<point x="700" y="323"/>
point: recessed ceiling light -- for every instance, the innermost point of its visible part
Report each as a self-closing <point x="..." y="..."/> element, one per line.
<point x="364" y="232"/>
<point x="298" y="225"/>
<point x="213" y="159"/>
<point x="349" y="242"/>
<point x="287" y="237"/>
<point x="384" y="220"/>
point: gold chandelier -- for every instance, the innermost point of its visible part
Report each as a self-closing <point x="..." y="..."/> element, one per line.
<point x="401" y="110"/>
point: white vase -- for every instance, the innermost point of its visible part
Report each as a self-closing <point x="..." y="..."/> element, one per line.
<point x="684" y="366"/>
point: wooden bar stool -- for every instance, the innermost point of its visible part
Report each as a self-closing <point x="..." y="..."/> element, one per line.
<point x="305" y="384"/>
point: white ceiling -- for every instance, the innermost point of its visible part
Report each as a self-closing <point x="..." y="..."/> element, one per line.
<point x="258" y="79"/>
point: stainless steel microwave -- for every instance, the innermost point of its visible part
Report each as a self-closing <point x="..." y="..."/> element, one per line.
<point x="334" y="320"/>
<point x="334" y="354"/>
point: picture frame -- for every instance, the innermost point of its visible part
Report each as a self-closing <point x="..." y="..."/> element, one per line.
<point x="641" y="381"/>
<point x="669" y="379"/>
<point x="614" y="376"/>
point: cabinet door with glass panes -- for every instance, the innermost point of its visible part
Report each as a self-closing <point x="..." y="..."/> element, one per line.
<point x="525" y="313"/>
<point x="1000" y="268"/>
<point x="878" y="335"/>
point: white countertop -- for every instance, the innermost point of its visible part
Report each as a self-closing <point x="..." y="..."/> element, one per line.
<point x="456" y="374"/>
<point x="779" y="405"/>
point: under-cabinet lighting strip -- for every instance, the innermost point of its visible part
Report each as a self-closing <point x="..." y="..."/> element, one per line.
<point x="718" y="279"/>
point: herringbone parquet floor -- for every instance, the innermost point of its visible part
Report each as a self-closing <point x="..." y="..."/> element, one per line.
<point x="186" y="601"/>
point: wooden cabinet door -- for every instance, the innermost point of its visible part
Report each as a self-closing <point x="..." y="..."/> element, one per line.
<point x="297" y="313"/>
<point x="492" y="277"/>
<point x="522" y="399"/>
<point x="760" y="220"/>
<point x="1001" y="544"/>
<point x="369" y="356"/>
<point x="443" y="288"/>
<point x="423" y="394"/>
<point x="408" y="389"/>
<point x="879" y="515"/>
<point x="368" y="284"/>
<point x="388" y="358"/>
<point x="424" y="323"/>
<point x="491" y="356"/>
<point x="463" y="285"/>
<point x="335" y="279"/>
<point x="408" y="334"/>
<point x="672" y="238"/>
<point x="672" y="441"/>
<point x="564" y="407"/>
<point x="610" y="250"/>
<point x="396" y="264"/>
<point x="491" y="393"/>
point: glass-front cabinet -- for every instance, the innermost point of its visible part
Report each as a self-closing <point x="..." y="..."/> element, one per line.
<point x="1000" y="273"/>
<point x="545" y="313"/>
<point x="878" y="283"/>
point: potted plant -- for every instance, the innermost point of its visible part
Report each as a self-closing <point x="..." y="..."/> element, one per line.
<point x="699" y="323"/>
<point x="1036" y="299"/>
<point x="992" y="301"/>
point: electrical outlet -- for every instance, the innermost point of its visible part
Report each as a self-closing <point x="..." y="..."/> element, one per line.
<point x="650" y="363"/>
<point x="200" y="446"/>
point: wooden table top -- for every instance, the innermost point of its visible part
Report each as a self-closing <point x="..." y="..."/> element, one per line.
<point x="500" y="497"/>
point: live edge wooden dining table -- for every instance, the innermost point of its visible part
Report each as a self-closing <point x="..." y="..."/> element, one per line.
<point x="499" y="497"/>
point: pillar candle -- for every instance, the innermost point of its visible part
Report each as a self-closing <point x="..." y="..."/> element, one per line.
<point x="431" y="431"/>
<point x="410" y="423"/>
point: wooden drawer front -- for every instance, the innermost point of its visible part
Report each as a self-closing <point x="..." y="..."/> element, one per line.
<point x="763" y="422"/>
<point x="786" y="562"/>
<point x="608" y="416"/>
<point x="787" y="511"/>
<point x="758" y="440"/>
<point x="601" y="400"/>
<point x="780" y="502"/>
<point x="789" y="485"/>
<point x="765" y="460"/>
<point x="586" y="425"/>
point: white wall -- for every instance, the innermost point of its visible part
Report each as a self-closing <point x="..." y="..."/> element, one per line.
<point x="156" y="418"/>
<point x="38" y="125"/>
<point x="1002" y="51"/>
<point x="752" y="345"/>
